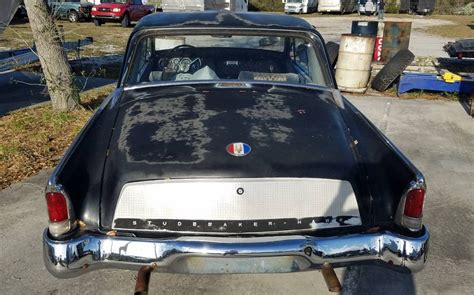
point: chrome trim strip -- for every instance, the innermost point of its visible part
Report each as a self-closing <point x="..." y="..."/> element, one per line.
<point x="88" y="251"/>
<point x="235" y="82"/>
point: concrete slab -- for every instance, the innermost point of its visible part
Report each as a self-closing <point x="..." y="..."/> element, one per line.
<point x="438" y="136"/>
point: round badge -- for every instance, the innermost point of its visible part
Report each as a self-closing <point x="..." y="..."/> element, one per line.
<point x="238" y="149"/>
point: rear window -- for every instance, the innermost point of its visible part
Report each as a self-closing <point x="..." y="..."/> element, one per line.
<point x="272" y="58"/>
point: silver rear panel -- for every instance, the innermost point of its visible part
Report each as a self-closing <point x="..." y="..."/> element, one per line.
<point x="236" y="205"/>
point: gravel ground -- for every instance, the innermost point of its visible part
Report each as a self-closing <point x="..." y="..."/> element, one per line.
<point x="421" y="44"/>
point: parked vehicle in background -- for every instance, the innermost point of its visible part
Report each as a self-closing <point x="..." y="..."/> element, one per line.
<point x="301" y="6"/>
<point x="341" y="6"/>
<point x="122" y="11"/>
<point x="417" y="6"/>
<point x="367" y="7"/>
<point x="72" y="10"/>
<point x="203" y="5"/>
<point x="236" y="5"/>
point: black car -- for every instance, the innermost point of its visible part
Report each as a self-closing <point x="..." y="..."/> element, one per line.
<point x="227" y="147"/>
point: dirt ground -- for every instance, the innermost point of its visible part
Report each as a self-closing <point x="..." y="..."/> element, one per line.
<point x="460" y="27"/>
<point x="424" y="38"/>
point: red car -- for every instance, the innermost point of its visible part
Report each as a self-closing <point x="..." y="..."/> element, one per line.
<point x="123" y="11"/>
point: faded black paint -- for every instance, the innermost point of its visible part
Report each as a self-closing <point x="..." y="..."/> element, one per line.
<point x="185" y="136"/>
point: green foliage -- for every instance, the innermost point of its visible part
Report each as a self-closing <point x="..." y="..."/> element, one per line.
<point x="450" y="6"/>
<point x="266" y="5"/>
<point x="392" y="8"/>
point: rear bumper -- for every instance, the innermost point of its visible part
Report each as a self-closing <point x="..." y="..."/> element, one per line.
<point x="87" y="252"/>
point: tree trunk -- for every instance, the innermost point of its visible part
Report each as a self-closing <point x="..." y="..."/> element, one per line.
<point x="56" y="69"/>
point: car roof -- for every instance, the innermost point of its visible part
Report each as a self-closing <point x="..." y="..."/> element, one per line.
<point x="216" y="19"/>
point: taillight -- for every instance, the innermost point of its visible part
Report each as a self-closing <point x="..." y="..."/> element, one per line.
<point x="410" y="209"/>
<point x="414" y="203"/>
<point x="57" y="207"/>
<point x="61" y="215"/>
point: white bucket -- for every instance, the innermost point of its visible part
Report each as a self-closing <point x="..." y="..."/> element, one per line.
<point x="354" y="63"/>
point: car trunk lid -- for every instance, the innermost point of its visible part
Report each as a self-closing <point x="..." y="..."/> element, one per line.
<point x="182" y="133"/>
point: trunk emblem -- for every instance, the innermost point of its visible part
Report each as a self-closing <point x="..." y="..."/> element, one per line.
<point x="238" y="149"/>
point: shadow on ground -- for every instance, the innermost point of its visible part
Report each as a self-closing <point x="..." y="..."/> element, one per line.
<point x="371" y="279"/>
<point x="23" y="89"/>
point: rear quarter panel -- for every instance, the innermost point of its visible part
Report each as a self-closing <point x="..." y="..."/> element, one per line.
<point x="80" y="171"/>
<point x="388" y="171"/>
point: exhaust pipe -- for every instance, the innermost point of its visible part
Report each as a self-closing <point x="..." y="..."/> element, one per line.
<point x="330" y="277"/>
<point x="143" y="279"/>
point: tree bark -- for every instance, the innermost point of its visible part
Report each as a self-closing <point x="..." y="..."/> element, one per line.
<point x="56" y="69"/>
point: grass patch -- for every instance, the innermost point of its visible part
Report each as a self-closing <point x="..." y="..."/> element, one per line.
<point x="7" y="151"/>
<point x="428" y="95"/>
<point x="266" y="5"/>
<point x="110" y="38"/>
<point x="36" y="138"/>
<point x="432" y="95"/>
<point x="462" y="27"/>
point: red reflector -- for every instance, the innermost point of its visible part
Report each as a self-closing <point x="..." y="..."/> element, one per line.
<point x="57" y="206"/>
<point x="414" y="203"/>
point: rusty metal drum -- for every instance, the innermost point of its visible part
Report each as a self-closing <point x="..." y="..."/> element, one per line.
<point x="396" y="36"/>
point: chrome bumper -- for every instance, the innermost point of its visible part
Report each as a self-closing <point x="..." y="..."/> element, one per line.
<point x="106" y="17"/>
<point x="74" y="257"/>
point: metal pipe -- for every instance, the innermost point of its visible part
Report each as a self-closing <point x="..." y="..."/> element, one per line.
<point x="331" y="278"/>
<point x="143" y="279"/>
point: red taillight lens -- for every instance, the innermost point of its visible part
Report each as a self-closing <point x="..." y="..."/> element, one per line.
<point x="414" y="203"/>
<point x="57" y="206"/>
